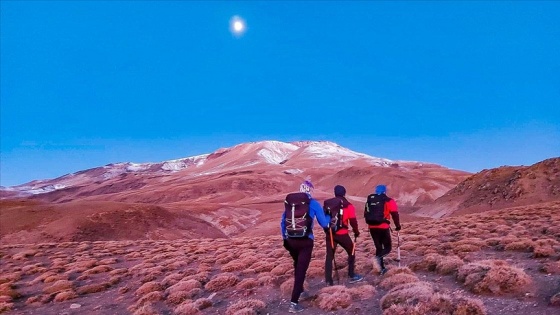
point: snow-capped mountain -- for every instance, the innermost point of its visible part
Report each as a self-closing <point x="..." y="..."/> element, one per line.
<point x="296" y="158"/>
<point x="233" y="191"/>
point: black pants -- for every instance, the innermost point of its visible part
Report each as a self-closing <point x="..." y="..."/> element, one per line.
<point x="300" y="249"/>
<point x="382" y="241"/>
<point x="346" y="242"/>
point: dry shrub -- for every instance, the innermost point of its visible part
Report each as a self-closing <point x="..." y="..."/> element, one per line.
<point x="178" y="297"/>
<point x="5" y="306"/>
<point x="202" y="303"/>
<point x="466" y="248"/>
<point x="59" y="286"/>
<point x="233" y="266"/>
<point x="183" y="286"/>
<point x="467" y="306"/>
<point x="334" y="298"/>
<point x="551" y="267"/>
<point x="522" y="245"/>
<point x="398" y="279"/>
<point x="449" y="264"/>
<point x="148" y="287"/>
<point x="282" y="268"/>
<point x="171" y="279"/>
<point x="143" y="309"/>
<point x="417" y="291"/>
<point x="84" y="264"/>
<point x="247" y="284"/>
<point x="202" y="277"/>
<point x="32" y="269"/>
<point x="221" y="281"/>
<point x="362" y="292"/>
<point x="439" y="263"/>
<point x="108" y="261"/>
<point x="287" y="286"/>
<point x="5" y="298"/>
<point x="93" y="288"/>
<point x="399" y="270"/>
<point x="65" y="296"/>
<point x="54" y="278"/>
<point x="10" y="277"/>
<point x="114" y="280"/>
<point x="267" y="280"/>
<point x="263" y="266"/>
<point x="154" y="296"/>
<point x="541" y="251"/>
<point x="7" y="289"/>
<point x="25" y="254"/>
<point x="555" y="299"/>
<point x="492" y="276"/>
<point x="246" y="272"/>
<point x="98" y="269"/>
<point x="250" y="304"/>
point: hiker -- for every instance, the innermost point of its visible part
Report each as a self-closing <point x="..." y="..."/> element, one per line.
<point x="339" y="235"/>
<point x="297" y="231"/>
<point x="378" y="210"/>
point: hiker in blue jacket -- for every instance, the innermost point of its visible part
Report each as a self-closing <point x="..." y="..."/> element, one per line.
<point x="298" y="240"/>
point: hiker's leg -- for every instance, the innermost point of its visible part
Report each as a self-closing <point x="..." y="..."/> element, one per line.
<point x="346" y="242"/>
<point x="385" y="239"/>
<point x="305" y="248"/>
<point x="328" y="260"/>
<point x="375" y="235"/>
<point x="293" y="253"/>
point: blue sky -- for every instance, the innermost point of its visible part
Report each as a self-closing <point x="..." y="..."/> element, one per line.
<point x="468" y="85"/>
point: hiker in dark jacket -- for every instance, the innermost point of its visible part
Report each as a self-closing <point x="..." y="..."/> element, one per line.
<point x="341" y="237"/>
<point x="380" y="231"/>
<point x="301" y="248"/>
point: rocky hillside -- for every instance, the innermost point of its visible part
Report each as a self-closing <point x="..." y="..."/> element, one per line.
<point x="233" y="191"/>
<point x="499" y="188"/>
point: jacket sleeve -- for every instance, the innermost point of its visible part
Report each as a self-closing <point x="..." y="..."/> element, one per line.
<point x="283" y="225"/>
<point x="317" y="211"/>
<point x="394" y="211"/>
<point x="352" y="218"/>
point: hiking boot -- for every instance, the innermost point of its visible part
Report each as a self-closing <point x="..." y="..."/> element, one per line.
<point x="295" y="308"/>
<point x="383" y="271"/>
<point x="356" y="278"/>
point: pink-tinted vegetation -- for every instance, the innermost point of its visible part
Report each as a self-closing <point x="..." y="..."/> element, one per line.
<point x="459" y="265"/>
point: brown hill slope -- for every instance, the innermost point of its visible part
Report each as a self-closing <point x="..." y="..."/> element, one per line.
<point x="233" y="191"/>
<point x="499" y="188"/>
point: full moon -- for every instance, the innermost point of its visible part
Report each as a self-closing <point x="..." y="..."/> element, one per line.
<point x="237" y="26"/>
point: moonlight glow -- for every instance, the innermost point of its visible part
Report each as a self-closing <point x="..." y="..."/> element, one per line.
<point x="237" y="26"/>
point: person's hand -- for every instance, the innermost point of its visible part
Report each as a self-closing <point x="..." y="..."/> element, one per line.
<point x="398" y="228"/>
<point x="356" y="233"/>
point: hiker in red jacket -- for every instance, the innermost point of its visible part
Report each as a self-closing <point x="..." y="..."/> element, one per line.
<point x="378" y="210"/>
<point x="341" y="237"/>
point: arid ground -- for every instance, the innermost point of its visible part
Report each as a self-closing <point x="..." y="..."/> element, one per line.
<point x="499" y="262"/>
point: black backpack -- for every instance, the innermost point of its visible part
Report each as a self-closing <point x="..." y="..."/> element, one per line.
<point x="296" y="209"/>
<point x="374" y="211"/>
<point x="335" y="208"/>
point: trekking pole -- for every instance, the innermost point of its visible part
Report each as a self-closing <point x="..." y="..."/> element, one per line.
<point x="354" y="245"/>
<point x="399" y="248"/>
<point x="333" y="254"/>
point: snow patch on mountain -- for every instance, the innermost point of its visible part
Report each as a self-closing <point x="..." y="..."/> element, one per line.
<point x="135" y="167"/>
<point x="293" y="171"/>
<point x="173" y="166"/>
<point x="273" y="152"/>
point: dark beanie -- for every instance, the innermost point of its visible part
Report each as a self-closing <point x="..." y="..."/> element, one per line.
<point x="339" y="191"/>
